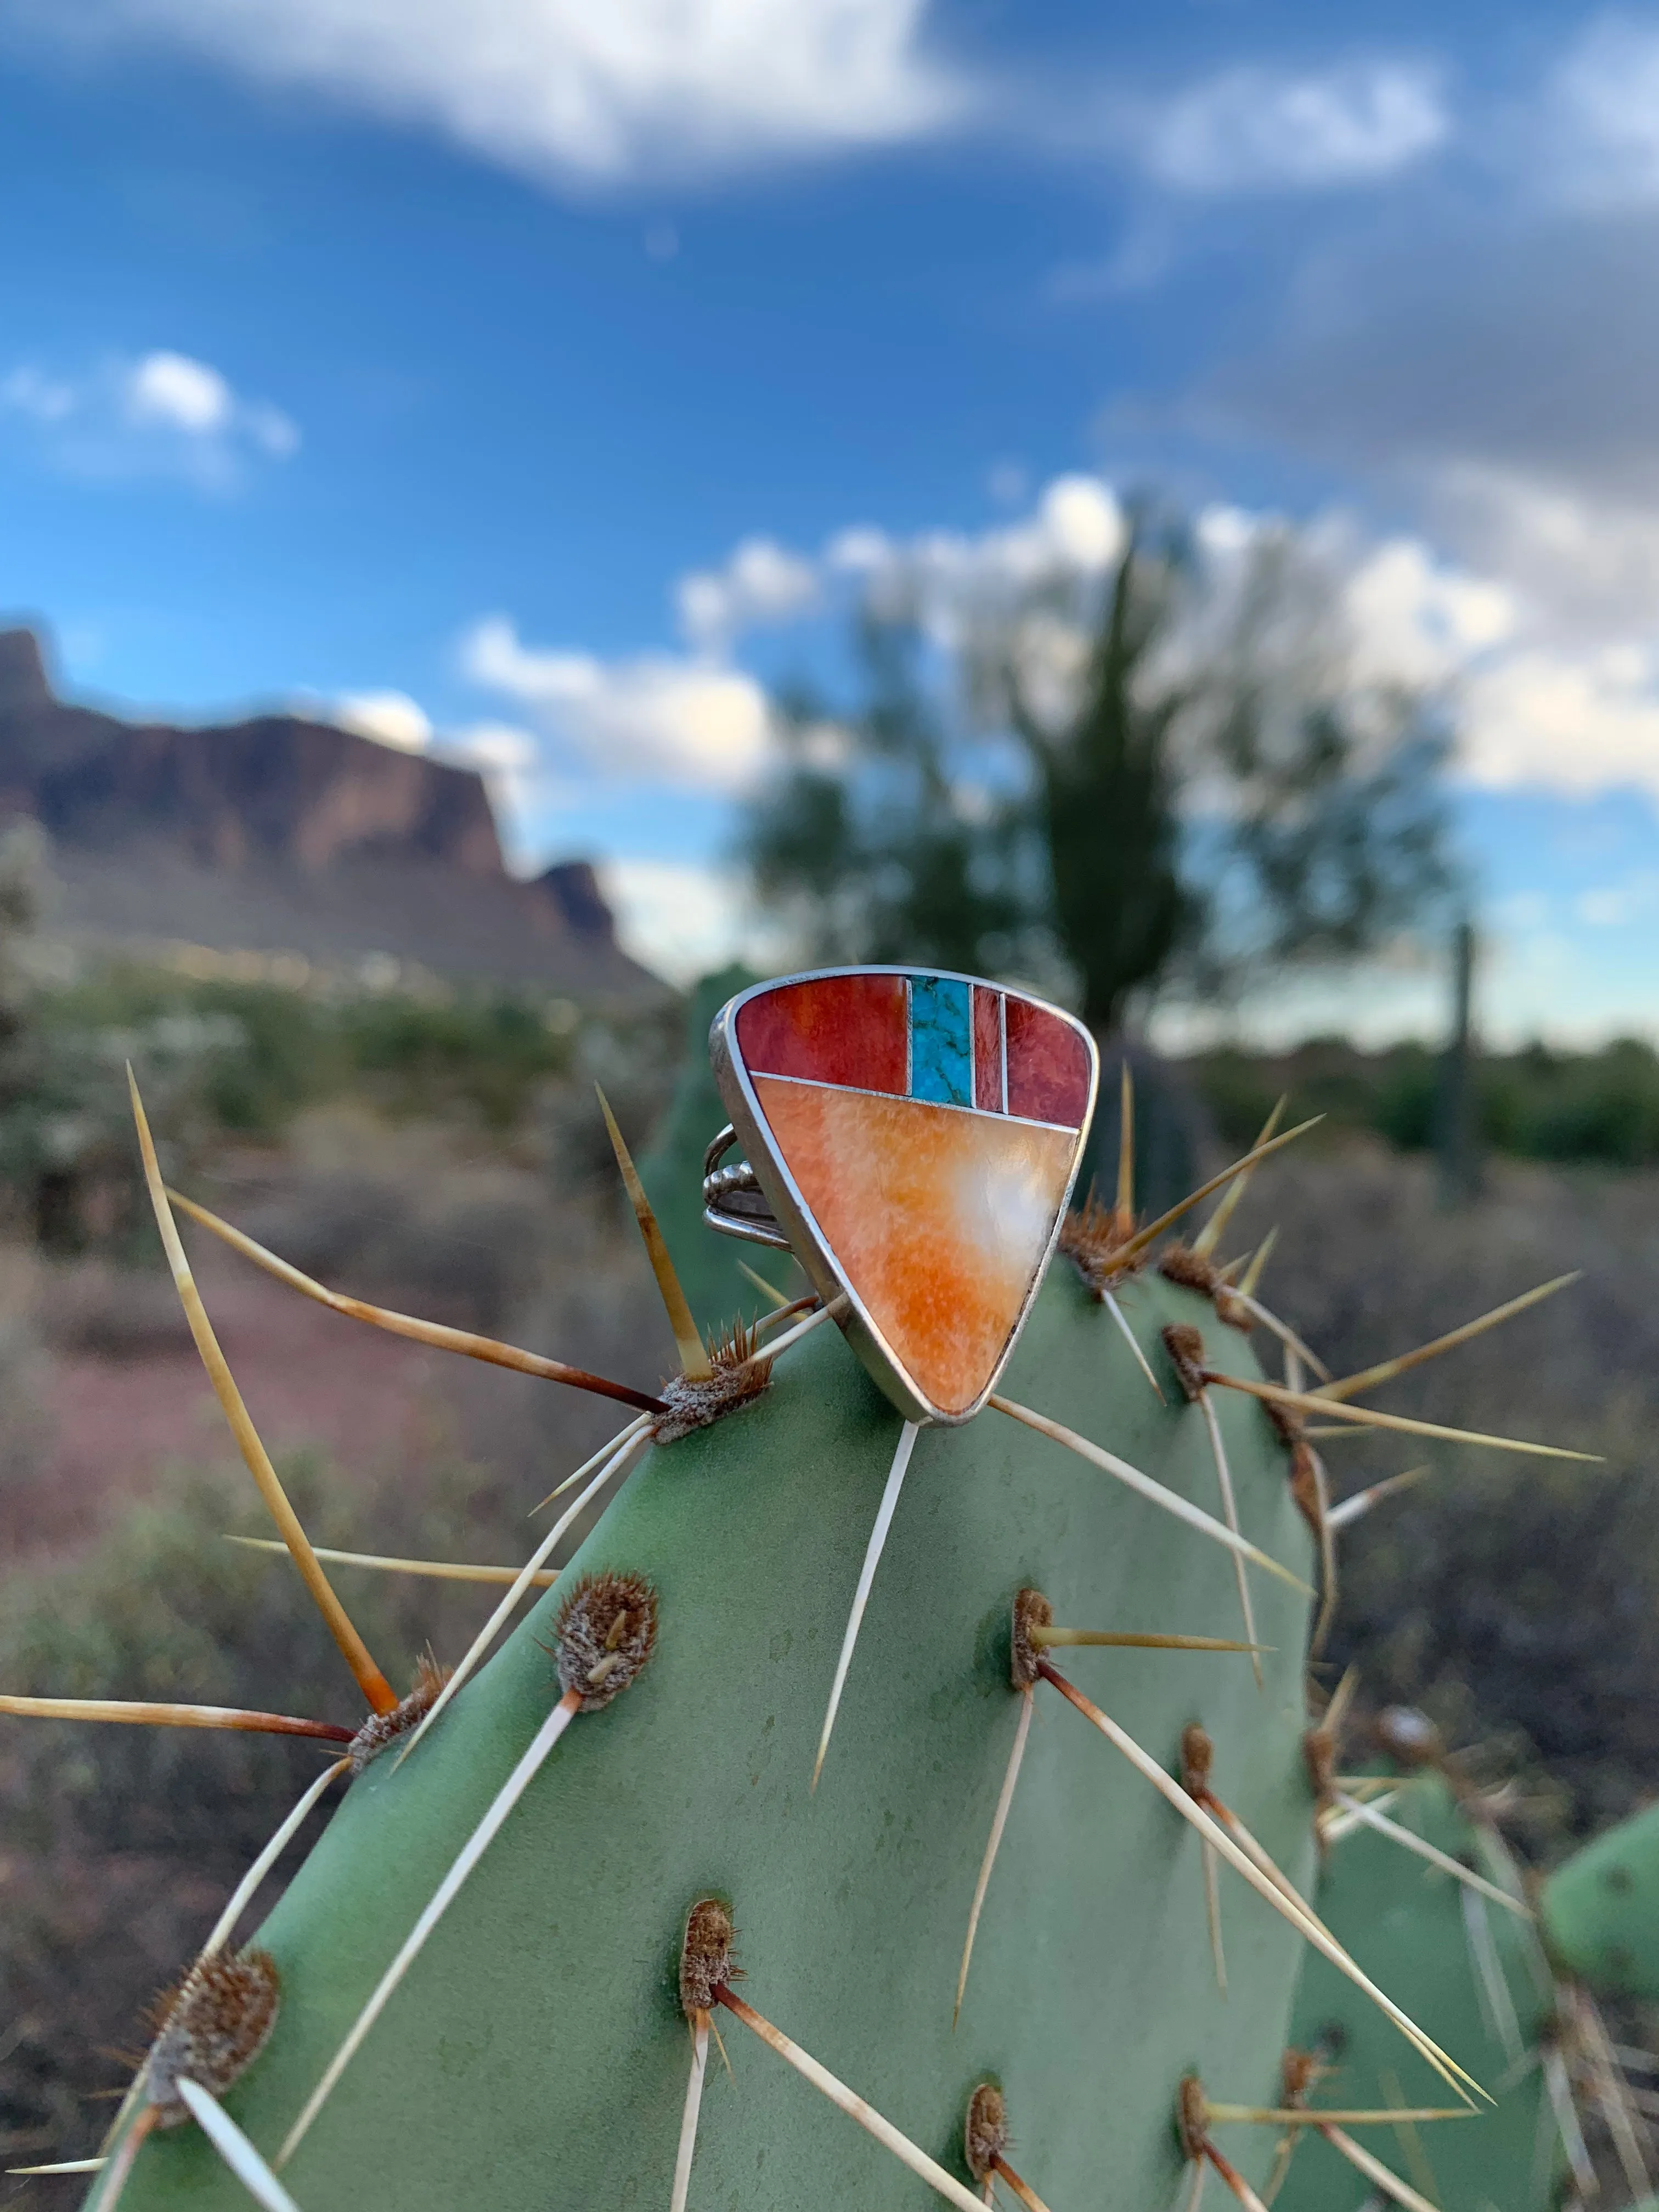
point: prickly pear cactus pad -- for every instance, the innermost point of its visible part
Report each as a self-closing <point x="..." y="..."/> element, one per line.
<point x="537" y="2053"/>
<point x="978" y="1752"/>
<point x="1601" y="1911"/>
<point x="1453" y="1956"/>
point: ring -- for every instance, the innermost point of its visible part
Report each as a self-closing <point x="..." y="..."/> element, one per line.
<point x="732" y="1200"/>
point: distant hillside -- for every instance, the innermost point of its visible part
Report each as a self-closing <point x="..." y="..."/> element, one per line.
<point x="281" y="836"/>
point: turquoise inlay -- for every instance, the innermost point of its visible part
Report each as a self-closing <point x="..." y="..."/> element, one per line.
<point x="941" y="1040"/>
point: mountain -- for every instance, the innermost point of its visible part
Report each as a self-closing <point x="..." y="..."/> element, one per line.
<point x="281" y="836"/>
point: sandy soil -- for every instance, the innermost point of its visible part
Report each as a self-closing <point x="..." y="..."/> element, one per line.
<point x="115" y="1418"/>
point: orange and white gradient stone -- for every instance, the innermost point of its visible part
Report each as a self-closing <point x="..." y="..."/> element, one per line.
<point x="940" y="1219"/>
<point x="931" y="1127"/>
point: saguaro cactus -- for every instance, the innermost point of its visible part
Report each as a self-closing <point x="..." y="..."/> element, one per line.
<point x="485" y="1969"/>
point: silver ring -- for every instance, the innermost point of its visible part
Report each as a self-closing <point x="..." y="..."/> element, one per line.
<point x="734" y="1203"/>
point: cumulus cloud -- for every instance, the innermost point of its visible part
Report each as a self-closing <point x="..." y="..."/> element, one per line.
<point x="945" y="578"/>
<point x="186" y="394"/>
<point x="391" y="718"/>
<point x="1542" y="697"/>
<point x="1535" y="706"/>
<point x="569" y="89"/>
<point x="1416" y="619"/>
<point x="1261" y="130"/>
<point x="1564" y="721"/>
<point x="759" y="583"/>
<point x="682" y="919"/>
<point x="172" y="391"/>
<point x="164" y="413"/>
<point x="1605" y="99"/>
<point x="654" y="717"/>
<point x="1585" y="559"/>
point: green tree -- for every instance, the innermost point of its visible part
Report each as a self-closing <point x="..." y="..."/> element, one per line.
<point x="1176" y="779"/>
<point x="874" y="844"/>
<point x="1105" y="793"/>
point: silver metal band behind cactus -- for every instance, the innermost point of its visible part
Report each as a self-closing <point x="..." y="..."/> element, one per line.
<point x="732" y="1200"/>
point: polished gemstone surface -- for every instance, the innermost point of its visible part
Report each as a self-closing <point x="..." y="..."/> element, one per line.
<point x="930" y="1127"/>
<point x="940" y="1219"/>
<point x="941" y="1040"/>
<point x="830" y="1029"/>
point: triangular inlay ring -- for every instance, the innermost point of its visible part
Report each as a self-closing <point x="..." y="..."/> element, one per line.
<point x="917" y="1135"/>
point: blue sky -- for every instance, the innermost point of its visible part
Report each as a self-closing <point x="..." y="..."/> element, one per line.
<point x="537" y="379"/>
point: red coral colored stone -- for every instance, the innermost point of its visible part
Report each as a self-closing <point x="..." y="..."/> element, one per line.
<point x="988" y="1049"/>
<point x="850" y="1030"/>
<point x="1048" y="1067"/>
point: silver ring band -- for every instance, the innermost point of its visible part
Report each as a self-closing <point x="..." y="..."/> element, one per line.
<point x="733" y="1201"/>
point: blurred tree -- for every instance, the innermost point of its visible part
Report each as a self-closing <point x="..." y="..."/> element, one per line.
<point x="1179" y="781"/>
<point x="874" y="844"/>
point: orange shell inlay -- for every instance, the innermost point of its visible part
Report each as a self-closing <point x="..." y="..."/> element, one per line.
<point x="939" y="1219"/>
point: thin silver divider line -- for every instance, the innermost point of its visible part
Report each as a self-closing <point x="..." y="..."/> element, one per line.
<point x="858" y="1091"/>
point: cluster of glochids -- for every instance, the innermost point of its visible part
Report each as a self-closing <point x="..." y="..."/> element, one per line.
<point x="607" y="1626"/>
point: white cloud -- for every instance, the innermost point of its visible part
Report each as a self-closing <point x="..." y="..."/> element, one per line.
<point x="1586" y="563"/>
<point x="1536" y="702"/>
<point x="572" y="89"/>
<point x="1533" y="706"/>
<point x="186" y="394"/>
<point x="760" y="583"/>
<point x="655" y="717"/>
<point x="163" y="414"/>
<point x="1261" y="130"/>
<point x="1564" y="721"/>
<point x="944" y="577"/>
<point x="1416" y="620"/>
<point x="683" y="920"/>
<point x="1606" y="102"/>
<point x="392" y="718"/>
<point x="172" y="391"/>
<point x="497" y="748"/>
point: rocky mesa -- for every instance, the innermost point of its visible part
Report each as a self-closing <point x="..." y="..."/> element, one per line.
<point x="281" y="836"/>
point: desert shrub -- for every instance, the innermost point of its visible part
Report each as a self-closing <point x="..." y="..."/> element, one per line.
<point x="1600" y="1108"/>
<point x="1511" y="1596"/>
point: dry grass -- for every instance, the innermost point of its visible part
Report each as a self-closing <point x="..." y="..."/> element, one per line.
<point x="1511" y="1597"/>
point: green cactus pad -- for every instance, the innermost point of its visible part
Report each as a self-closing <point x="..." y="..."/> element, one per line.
<point x="1601" y="1910"/>
<point x="535" y="2057"/>
<point x="1406" y="1924"/>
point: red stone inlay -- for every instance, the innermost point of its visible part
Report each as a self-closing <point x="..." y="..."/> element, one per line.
<point x="1048" y="1067"/>
<point x="834" y="1028"/>
<point x="987" y="1050"/>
